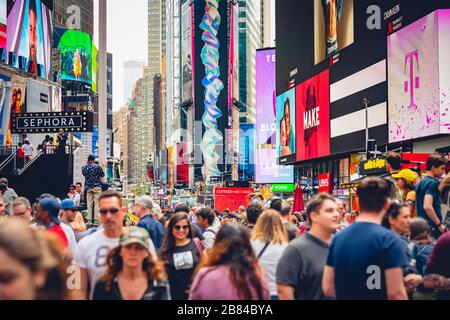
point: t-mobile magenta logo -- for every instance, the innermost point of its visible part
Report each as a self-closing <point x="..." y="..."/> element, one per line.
<point x="414" y="82"/>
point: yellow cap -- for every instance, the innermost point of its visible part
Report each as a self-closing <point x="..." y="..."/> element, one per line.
<point x="406" y="174"/>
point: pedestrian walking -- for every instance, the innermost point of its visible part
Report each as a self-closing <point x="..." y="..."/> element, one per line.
<point x="269" y="239"/>
<point x="205" y="220"/>
<point x="355" y="268"/>
<point x="181" y="253"/>
<point x="132" y="273"/>
<point x="437" y="272"/>
<point x="231" y="270"/>
<point x="143" y="209"/>
<point x="28" y="150"/>
<point x="300" y="269"/>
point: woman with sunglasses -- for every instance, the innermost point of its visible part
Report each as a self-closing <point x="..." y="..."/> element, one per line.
<point x="181" y="254"/>
<point x="131" y="271"/>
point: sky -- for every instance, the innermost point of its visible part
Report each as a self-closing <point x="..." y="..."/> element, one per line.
<point x="127" y="38"/>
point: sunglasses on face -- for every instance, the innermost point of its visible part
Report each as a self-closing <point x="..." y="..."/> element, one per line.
<point x="105" y="211"/>
<point x="178" y="228"/>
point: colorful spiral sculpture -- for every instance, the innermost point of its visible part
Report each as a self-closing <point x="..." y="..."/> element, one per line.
<point x="213" y="86"/>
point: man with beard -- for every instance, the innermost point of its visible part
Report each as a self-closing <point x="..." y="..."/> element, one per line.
<point x="92" y="250"/>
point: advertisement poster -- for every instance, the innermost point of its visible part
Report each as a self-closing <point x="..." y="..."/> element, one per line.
<point x="313" y="117"/>
<point x="231" y="198"/>
<point x="3" y="24"/>
<point x="286" y="126"/>
<point x="76" y="55"/>
<point x="186" y="52"/>
<point x="5" y="110"/>
<point x="247" y="152"/>
<point x="333" y="27"/>
<point x="30" y="34"/>
<point x="414" y="75"/>
<point x="171" y="166"/>
<point x="267" y="169"/>
<point x="182" y="164"/>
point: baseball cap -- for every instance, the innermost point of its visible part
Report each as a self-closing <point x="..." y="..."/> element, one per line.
<point x="52" y="206"/>
<point x="68" y="204"/>
<point x="406" y="174"/>
<point x="134" y="235"/>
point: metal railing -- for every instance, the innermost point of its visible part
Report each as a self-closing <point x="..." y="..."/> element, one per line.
<point x="29" y="163"/>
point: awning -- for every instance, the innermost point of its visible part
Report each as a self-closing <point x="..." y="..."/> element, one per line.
<point x="355" y="183"/>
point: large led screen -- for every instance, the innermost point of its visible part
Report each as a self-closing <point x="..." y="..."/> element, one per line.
<point x="30" y="36"/>
<point x="246" y="151"/>
<point x="313" y="117"/>
<point x="3" y="24"/>
<point x="286" y="126"/>
<point x="76" y="55"/>
<point x="333" y="27"/>
<point x="267" y="169"/>
<point x="186" y="52"/>
<point x="413" y="81"/>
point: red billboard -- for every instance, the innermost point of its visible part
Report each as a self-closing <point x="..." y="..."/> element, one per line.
<point x="313" y="117"/>
<point x="325" y="183"/>
<point x="231" y="198"/>
<point x="182" y="163"/>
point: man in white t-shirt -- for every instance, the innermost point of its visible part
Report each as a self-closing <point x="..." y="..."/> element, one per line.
<point x="92" y="250"/>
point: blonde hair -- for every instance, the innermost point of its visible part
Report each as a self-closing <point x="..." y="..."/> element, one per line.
<point x="270" y="228"/>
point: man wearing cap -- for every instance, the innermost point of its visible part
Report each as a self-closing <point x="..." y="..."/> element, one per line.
<point x="67" y="216"/>
<point x="92" y="173"/>
<point x="47" y="212"/>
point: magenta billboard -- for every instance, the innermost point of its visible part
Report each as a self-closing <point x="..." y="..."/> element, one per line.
<point x="267" y="169"/>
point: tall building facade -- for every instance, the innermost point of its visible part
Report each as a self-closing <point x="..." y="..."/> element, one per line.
<point x="133" y="70"/>
<point x="268" y="20"/>
<point x="66" y="11"/>
<point x="250" y="39"/>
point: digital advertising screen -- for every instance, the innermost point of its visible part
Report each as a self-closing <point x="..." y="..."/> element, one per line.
<point x="286" y="127"/>
<point x="267" y="169"/>
<point x="3" y="25"/>
<point x="29" y="37"/>
<point x="211" y="84"/>
<point x="333" y="27"/>
<point x="246" y="151"/>
<point x="186" y="52"/>
<point x="76" y="55"/>
<point x="313" y="117"/>
<point x="37" y="97"/>
<point x="182" y="163"/>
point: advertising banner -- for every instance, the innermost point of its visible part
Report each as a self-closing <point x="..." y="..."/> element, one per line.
<point x="313" y="117"/>
<point x="267" y="169"/>
<point x="286" y="127"/>
<point x="231" y="198"/>
<point x="283" y="188"/>
<point x="3" y="28"/>
<point x="186" y="53"/>
<point x="80" y="121"/>
<point x="325" y="183"/>
<point x="76" y="55"/>
<point x="29" y="38"/>
<point x="182" y="164"/>
<point x="247" y="151"/>
<point x="38" y="97"/>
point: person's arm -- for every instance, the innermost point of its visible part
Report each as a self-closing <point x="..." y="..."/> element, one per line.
<point x="285" y="292"/>
<point x="436" y="281"/>
<point x="429" y="209"/>
<point x="328" y="287"/>
<point x="395" y="287"/>
<point x="81" y="293"/>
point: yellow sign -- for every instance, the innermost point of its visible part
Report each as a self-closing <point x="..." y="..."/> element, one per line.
<point x="375" y="164"/>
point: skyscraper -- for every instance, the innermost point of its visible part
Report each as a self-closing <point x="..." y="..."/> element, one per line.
<point x="132" y="71"/>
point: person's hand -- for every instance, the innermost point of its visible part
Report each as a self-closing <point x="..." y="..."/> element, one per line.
<point x="442" y="228"/>
<point x="412" y="281"/>
<point x="224" y="221"/>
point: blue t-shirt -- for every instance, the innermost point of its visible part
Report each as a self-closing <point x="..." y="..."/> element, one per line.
<point x="429" y="186"/>
<point x="360" y="255"/>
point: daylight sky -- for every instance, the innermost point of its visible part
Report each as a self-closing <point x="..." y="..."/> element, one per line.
<point x="127" y="38"/>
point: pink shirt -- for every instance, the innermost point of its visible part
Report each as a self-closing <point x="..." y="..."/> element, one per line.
<point x="214" y="283"/>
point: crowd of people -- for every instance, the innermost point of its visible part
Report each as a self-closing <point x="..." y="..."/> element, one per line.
<point x="397" y="247"/>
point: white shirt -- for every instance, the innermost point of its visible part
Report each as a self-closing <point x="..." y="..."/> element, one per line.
<point x="210" y="236"/>
<point x="76" y="198"/>
<point x="269" y="261"/>
<point x="92" y="252"/>
<point x="70" y="237"/>
<point x="28" y="149"/>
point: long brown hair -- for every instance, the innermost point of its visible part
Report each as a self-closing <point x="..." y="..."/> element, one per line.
<point x="37" y="251"/>
<point x="269" y="228"/>
<point x="232" y="248"/>
<point x="114" y="264"/>
<point x="169" y="241"/>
